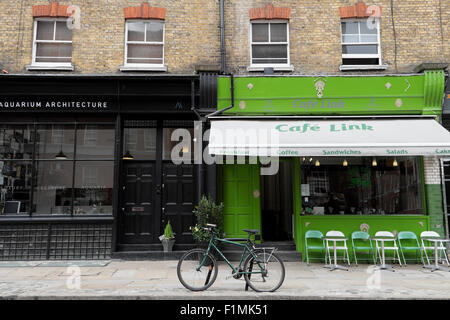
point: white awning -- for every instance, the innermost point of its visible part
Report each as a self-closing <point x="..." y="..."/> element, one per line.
<point x="311" y="137"/>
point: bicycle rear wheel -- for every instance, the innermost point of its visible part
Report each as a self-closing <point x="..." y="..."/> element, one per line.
<point x="265" y="273"/>
<point x="194" y="277"/>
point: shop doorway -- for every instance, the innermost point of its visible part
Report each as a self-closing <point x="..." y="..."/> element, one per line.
<point x="276" y="204"/>
<point x="154" y="190"/>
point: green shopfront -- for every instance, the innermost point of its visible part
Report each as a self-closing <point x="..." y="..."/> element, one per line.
<point x="348" y="153"/>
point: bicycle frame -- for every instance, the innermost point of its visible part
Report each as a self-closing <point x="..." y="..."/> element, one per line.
<point x="245" y="249"/>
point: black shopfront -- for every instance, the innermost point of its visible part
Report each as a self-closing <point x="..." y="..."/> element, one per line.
<point x="87" y="162"/>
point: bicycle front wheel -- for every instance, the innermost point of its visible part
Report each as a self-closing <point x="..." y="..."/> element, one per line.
<point x="265" y="273"/>
<point x="193" y="276"/>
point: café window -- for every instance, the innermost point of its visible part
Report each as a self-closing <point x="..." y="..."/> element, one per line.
<point x="144" y="43"/>
<point x="361" y="42"/>
<point x="52" y="43"/>
<point x="53" y="169"/>
<point x="269" y="44"/>
<point x="361" y="186"/>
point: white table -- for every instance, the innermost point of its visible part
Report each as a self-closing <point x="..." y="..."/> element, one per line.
<point x="383" y="265"/>
<point x="436" y="264"/>
<point x="335" y="265"/>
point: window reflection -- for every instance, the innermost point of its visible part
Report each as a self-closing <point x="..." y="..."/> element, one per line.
<point x="53" y="188"/>
<point x="140" y="143"/>
<point x="181" y="139"/>
<point x="95" y="141"/>
<point x="15" y="187"/>
<point x="16" y="141"/>
<point x="55" y="139"/>
<point x="361" y="187"/>
<point x="93" y="187"/>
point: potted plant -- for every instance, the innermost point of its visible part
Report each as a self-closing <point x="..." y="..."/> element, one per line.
<point x="206" y="212"/>
<point x="168" y="238"/>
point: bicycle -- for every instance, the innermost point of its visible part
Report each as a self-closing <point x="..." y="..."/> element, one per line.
<point x="262" y="269"/>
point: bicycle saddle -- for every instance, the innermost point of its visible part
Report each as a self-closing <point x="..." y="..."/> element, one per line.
<point x="251" y="231"/>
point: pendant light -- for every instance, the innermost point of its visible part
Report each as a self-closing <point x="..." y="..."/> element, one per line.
<point x="61" y="155"/>
<point x="317" y="164"/>
<point x="395" y="163"/>
<point x="374" y="162"/>
<point x="127" y="156"/>
<point x="345" y="163"/>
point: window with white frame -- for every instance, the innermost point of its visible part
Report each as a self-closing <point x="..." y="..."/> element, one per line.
<point x="52" y="43"/>
<point x="361" y="42"/>
<point x="144" y="42"/>
<point x="269" y="43"/>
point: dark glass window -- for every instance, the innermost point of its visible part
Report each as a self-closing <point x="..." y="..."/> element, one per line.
<point x="140" y="143"/>
<point x="178" y="143"/>
<point x="362" y="186"/>
<point x="37" y="168"/>
<point x="15" y="187"/>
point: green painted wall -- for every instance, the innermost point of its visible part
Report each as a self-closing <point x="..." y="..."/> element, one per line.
<point x="434" y="207"/>
<point x="341" y="95"/>
<point x="239" y="191"/>
<point x="348" y="224"/>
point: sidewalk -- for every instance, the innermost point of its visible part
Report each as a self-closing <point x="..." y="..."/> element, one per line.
<point x="118" y="279"/>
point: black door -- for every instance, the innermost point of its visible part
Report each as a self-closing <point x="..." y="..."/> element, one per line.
<point x="140" y="203"/>
<point x="154" y="189"/>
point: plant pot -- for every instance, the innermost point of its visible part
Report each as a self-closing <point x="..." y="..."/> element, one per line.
<point x="167" y="245"/>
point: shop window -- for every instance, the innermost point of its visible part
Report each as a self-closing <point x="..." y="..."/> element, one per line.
<point x="362" y="186"/>
<point x="39" y="175"/>
<point x="95" y="141"/>
<point x="361" y="42"/>
<point x="15" y="187"/>
<point x="93" y="187"/>
<point x="52" y="45"/>
<point x="269" y="44"/>
<point x="144" y="43"/>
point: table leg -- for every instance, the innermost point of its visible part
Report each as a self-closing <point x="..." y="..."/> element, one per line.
<point x="383" y="265"/>
<point x="336" y="266"/>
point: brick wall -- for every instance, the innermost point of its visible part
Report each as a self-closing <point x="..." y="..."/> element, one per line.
<point x="192" y="34"/>
<point x="315" y="36"/>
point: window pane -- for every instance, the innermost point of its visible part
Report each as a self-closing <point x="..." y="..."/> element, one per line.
<point x="360" y="49"/>
<point x="278" y="32"/>
<point x="146" y="61"/>
<point x="15" y="187"/>
<point x="360" y="188"/>
<point x="349" y="27"/>
<point x="260" y="32"/>
<point x="140" y="143"/>
<point x="53" y="140"/>
<point x="183" y="143"/>
<point x="16" y="141"/>
<point x="269" y="51"/>
<point x="95" y="141"/>
<point x="53" y="188"/>
<point x="352" y="38"/>
<point x="365" y="27"/>
<point x="62" y="32"/>
<point x="93" y="187"/>
<point x="136" y="31"/>
<point x="145" y="51"/>
<point x="155" y="31"/>
<point x="369" y="38"/>
<point x="45" y="30"/>
<point x="55" y="52"/>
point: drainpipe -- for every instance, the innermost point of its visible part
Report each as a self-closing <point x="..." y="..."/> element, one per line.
<point x="222" y="38"/>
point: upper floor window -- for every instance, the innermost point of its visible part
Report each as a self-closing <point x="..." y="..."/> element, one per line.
<point x="361" y="42"/>
<point x="269" y="44"/>
<point x="52" y="43"/>
<point x="144" y="43"/>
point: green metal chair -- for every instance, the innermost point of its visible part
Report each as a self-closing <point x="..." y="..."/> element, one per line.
<point x="357" y="238"/>
<point x="314" y="236"/>
<point x="410" y="243"/>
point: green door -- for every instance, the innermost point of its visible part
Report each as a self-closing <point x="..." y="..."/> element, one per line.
<point x="240" y="193"/>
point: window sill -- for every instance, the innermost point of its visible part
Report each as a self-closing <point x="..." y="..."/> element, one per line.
<point x="275" y="68"/>
<point x="36" y="67"/>
<point x="362" y="67"/>
<point x="143" y="68"/>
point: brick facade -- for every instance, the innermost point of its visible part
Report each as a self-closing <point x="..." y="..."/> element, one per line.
<point x="315" y="35"/>
<point x="192" y="34"/>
